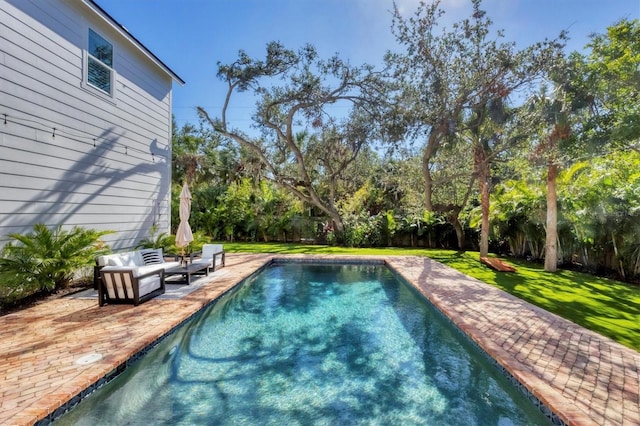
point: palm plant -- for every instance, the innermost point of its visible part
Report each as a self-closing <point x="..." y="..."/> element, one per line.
<point x="199" y="238"/>
<point x="157" y="240"/>
<point x="47" y="260"/>
<point x="517" y="216"/>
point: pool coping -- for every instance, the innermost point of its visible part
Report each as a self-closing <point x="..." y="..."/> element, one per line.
<point x="41" y="377"/>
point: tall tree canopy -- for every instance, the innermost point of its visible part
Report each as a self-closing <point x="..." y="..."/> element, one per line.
<point x="301" y="145"/>
<point x="611" y="73"/>
<point x="455" y="100"/>
<point x="444" y="78"/>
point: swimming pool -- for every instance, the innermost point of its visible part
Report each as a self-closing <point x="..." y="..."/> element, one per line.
<point x="312" y="344"/>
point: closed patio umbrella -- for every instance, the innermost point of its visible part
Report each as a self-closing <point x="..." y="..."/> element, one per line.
<point x="184" y="235"/>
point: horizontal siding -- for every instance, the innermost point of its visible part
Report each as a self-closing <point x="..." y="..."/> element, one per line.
<point x="96" y="169"/>
<point x="61" y="154"/>
<point x="78" y="204"/>
<point x="35" y="95"/>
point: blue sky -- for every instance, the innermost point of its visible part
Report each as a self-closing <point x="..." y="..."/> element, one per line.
<point x="191" y="36"/>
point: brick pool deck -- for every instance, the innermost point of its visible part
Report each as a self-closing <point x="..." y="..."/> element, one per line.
<point x="587" y="379"/>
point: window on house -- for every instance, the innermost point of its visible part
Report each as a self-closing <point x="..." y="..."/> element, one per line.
<point x="100" y="63"/>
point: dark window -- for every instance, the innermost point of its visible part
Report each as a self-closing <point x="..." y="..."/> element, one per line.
<point x="99" y="62"/>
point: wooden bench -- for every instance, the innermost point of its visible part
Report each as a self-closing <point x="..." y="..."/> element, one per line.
<point x="497" y="264"/>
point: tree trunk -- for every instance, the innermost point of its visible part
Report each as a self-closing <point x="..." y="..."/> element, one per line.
<point x="429" y="152"/>
<point x="484" y="229"/>
<point x="617" y="256"/>
<point x="428" y="185"/>
<point x="459" y="232"/>
<point x="337" y="223"/>
<point x="551" y="242"/>
<point x="482" y="168"/>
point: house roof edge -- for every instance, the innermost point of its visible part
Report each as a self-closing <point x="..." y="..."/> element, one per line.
<point x="121" y="29"/>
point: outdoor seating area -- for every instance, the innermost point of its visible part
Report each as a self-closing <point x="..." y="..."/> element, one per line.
<point x="131" y="277"/>
<point x="136" y="276"/>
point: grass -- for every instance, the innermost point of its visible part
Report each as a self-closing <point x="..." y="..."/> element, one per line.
<point x="608" y="307"/>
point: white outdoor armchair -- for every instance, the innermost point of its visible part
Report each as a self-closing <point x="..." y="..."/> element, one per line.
<point x="213" y="255"/>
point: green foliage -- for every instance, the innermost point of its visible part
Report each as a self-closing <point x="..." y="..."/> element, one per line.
<point x="157" y="240"/>
<point x="198" y="156"/>
<point x="599" y="217"/>
<point x="46" y="260"/>
<point x="611" y="73"/>
<point x="233" y="211"/>
<point x="199" y="238"/>
<point x="303" y="147"/>
<point x="517" y="216"/>
<point x="166" y="242"/>
<point x="602" y="199"/>
<point x="366" y="198"/>
<point x="245" y="210"/>
<point x="364" y="230"/>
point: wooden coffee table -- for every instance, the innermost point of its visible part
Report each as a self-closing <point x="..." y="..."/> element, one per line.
<point x="187" y="271"/>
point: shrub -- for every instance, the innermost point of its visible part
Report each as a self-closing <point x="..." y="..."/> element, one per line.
<point x="157" y="240"/>
<point x="365" y="231"/>
<point x="46" y="260"/>
<point x="166" y="242"/>
<point x="199" y="238"/>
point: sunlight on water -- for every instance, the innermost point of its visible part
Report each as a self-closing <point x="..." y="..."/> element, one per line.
<point x="312" y="344"/>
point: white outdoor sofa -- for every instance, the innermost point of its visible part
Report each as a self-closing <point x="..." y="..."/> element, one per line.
<point x="212" y="254"/>
<point x="131" y="277"/>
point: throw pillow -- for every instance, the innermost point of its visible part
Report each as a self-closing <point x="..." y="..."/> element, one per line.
<point x="151" y="257"/>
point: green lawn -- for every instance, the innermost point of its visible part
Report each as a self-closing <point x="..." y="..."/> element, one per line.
<point x="609" y="307"/>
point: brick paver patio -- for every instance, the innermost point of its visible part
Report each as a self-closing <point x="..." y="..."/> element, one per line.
<point x="584" y="377"/>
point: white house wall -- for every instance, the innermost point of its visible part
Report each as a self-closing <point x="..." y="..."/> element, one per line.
<point x="107" y="163"/>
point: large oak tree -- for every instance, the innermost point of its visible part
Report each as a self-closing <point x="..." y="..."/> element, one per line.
<point x="302" y="145"/>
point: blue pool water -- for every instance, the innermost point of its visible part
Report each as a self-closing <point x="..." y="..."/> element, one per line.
<point x="312" y="344"/>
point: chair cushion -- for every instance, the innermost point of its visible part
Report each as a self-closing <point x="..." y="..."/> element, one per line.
<point x="208" y="250"/>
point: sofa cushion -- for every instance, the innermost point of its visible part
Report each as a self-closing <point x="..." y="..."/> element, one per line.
<point x="151" y="256"/>
<point x="120" y="268"/>
<point x="115" y="261"/>
<point x="148" y="284"/>
<point x="147" y="269"/>
<point x="130" y="258"/>
<point x="169" y="265"/>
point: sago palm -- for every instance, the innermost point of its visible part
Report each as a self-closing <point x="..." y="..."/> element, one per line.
<point x="46" y="259"/>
